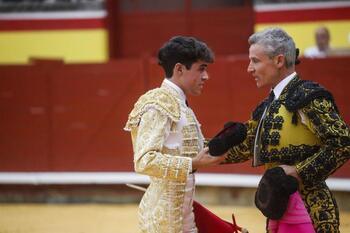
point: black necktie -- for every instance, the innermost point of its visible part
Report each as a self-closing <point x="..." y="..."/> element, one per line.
<point x="271" y="98"/>
<point x="257" y="143"/>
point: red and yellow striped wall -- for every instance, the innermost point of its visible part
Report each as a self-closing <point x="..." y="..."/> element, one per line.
<point x="74" y="37"/>
<point x="83" y="37"/>
<point x="301" y="20"/>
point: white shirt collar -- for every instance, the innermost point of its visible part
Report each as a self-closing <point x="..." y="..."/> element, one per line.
<point x="176" y="88"/>
<point x="282" y="84"/>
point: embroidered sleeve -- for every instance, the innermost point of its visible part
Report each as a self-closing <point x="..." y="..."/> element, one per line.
<point x="243" y="151"/>
<point x="206" y="142"/>
<point x="148" y="158"/>
<point x="323" y="119"/>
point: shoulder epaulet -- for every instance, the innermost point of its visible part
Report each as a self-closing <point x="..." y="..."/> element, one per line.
<point x="303" y="92"/>
<point x="159" y="99"/>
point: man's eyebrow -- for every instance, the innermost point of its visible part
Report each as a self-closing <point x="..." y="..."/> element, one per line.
<point x="203" y="65"/>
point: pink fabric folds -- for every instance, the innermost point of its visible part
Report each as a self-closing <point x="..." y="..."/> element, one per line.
<point x="295" y="219"/>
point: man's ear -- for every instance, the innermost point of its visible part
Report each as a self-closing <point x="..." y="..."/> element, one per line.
<point x="280" y="60"/>
<point x="178" y="69"/>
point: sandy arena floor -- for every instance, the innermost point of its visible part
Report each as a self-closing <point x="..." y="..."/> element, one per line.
<point x="102" y="218"/>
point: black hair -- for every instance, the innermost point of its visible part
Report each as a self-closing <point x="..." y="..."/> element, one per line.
<point x="184" y="50"/>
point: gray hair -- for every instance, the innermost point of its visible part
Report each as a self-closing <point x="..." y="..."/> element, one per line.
<point x="275" y="41"/>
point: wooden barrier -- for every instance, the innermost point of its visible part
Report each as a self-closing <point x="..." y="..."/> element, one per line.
<point x="58" y="117"/>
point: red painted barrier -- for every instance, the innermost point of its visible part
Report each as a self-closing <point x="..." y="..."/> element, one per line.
<point x="58" y="117"/>
<point x="225" y="30"/>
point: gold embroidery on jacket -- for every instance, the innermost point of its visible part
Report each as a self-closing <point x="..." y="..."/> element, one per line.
<point x="190" y="146"/>
<point x="161" y="208"/>
<point x="159" y="99"/>
<point x="317" y="147"/>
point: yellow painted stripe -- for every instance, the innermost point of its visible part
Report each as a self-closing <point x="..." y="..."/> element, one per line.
<point x="303" y="33"/>
<point x="74" y="46"/>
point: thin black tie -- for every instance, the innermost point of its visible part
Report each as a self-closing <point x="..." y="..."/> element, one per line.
<point x="257" y="142"/>
<point x="271" y="98"/>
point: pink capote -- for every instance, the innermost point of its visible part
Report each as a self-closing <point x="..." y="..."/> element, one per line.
<point x="296" y="219"/>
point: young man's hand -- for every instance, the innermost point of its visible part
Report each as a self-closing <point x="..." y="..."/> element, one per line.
<point x="204" y="159"/>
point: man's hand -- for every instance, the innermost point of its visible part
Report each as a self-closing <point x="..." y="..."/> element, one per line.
<point x="204" y="159"/>
<point x="291" y="171"/>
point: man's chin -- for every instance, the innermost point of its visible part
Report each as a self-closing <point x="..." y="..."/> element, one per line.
<point x="260" y="85"/>
<point x="197" y="92"/>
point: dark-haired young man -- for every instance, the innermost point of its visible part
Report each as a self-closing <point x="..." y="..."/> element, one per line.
<point x="167" y="139"/>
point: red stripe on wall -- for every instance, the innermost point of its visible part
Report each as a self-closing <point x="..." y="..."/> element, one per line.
<point x="51" y="24"/>
<point x="302" y="15"/>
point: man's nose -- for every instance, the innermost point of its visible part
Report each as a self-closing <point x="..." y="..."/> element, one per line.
<point x="250" y="68"/>
<point x="205" y="76"/>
